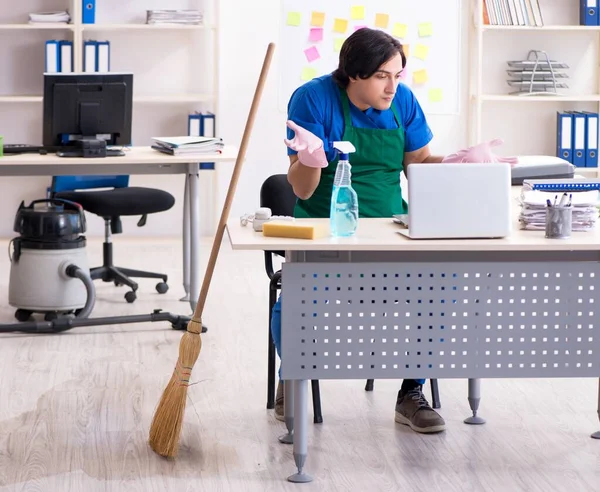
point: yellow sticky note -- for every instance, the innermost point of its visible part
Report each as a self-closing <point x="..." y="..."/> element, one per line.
<point x="340" y="25"/>
<point x="294" y="18"/>
<point x="337" y="44"/>
<point x="421" y="51"/>
<point x="382" y="20"/>
<point x="435" y="95"/>
<point x="357" y="12"/>
<point x="317" y="19"/>
<point x="399" y="30"/>
<point x="425" y="29"/>
<point x="420" y="76"/>
<point x="308" y="73"/>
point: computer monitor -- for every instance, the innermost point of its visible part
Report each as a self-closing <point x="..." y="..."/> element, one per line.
<point x="86" y="112"/>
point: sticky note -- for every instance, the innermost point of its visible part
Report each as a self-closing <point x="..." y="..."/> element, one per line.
<point x="399" y="30"/>
<point x="294" y="18"/>
<point x="406" y="49"/>
<point x="316" y="34"/>
<point x="357" y="12"/>
<point x="382" y="20"/>
<point x="337" y="44"/>
<point x="312" y="54"/>
<point x="308" y="73"/>
<point x="340" y="25"/>
<point x="420" y="76"/>
<point x="435" y="95"/>
<point x="356" y="28"/>
<point x="425" y="29"/>
<point x="317" y="19"/>
<point x="421" y="52"/>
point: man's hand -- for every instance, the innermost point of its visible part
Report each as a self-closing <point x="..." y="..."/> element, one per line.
<point x="480" y="153"/>
<point x="308" y="145"/>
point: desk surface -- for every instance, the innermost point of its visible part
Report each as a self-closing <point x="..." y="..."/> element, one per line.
<point x="383" y="235"/>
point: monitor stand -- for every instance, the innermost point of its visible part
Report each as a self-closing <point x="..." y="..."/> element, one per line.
<point x="91" y="148"/>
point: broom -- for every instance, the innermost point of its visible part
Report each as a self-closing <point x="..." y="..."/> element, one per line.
<point x="168" y="418"/>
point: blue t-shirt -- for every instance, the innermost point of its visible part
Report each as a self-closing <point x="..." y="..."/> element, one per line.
<point x="317" y="106"/>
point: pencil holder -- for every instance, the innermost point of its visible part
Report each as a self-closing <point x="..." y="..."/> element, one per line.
<point x="559" y="222"/>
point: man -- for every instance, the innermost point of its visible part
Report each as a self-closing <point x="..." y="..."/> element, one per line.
<point x="362" y="102"/>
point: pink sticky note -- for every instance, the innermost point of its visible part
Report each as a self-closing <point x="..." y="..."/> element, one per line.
<point x="316" y="34"/>
<point x="312" y="54"/>
<point x="359" y="27"/>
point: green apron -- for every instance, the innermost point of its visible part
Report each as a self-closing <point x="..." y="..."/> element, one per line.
<point x="376" y="167"/>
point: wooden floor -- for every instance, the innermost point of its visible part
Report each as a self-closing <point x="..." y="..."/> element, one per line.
<point x="75" y="408"/>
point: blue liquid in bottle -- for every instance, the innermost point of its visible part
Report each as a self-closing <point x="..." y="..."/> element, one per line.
<point x="344" y="201"/>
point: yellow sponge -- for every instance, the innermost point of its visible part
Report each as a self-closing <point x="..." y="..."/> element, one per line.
<point x="295" y="229"/>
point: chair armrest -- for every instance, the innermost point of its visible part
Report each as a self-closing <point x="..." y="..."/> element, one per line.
<point x="269" y="264"/>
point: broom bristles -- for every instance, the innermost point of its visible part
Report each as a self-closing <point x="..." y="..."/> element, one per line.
<point x="165" y="429"/>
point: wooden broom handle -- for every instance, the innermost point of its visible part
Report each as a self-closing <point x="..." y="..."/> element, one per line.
<point x="210" y="268"/>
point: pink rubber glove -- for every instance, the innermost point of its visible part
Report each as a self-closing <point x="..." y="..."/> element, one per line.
<point x="308" y="145"/>
<point x="480" y="153"/>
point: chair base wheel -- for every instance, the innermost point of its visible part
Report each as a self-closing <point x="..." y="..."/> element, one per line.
<point x="130" y="296"/>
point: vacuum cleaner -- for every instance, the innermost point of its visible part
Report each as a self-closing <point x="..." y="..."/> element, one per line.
<point x="49" y="272"/>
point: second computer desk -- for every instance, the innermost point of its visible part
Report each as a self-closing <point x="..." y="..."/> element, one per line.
<point x="137" y="160"/>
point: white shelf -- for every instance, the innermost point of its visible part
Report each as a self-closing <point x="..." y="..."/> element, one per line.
<point x="43" y="26"/>
<point x="146" y="27"/>
<point x="508" y="98"/>
<point x="20" y="99"/>
<point x="485" y="27"/>
<point x="151" y="99"/>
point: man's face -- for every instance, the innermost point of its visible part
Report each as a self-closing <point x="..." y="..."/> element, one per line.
<point x="378" y="90"/>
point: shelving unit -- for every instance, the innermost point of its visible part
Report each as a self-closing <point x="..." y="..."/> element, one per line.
<point x="481" y="100"/>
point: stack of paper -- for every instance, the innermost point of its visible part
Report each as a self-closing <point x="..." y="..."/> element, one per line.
<point x="534" y="204"/>
<point x="174" y="17"/>
<point x="187" y="145"/>
<point x="50" y="17"/>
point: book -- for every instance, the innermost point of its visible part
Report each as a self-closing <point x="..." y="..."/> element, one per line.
<point x="187" y="145"/>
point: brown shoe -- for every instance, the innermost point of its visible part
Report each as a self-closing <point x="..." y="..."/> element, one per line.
<point x="413" y="410"/>
<point x="279" y="402"/>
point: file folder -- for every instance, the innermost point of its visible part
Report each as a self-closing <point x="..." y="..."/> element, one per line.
<point x="198" y="126"/>
<point x="66" y="56"/>
<point x="52" y="57"/>
<point x="578" y="138"/>
<point x="102" y="56"/>
<point x="564" y="140"/>
<point x="194" y="125"/>
<point x="591" y="139"/>
<point x="88" y="11"/>
<point x="588" y="12"/>
<point x="90" y="63"/>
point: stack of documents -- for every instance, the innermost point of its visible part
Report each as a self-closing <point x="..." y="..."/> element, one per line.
<point x="187" y="145"/>
<point x="173" y="17"/>
<point x="50" y="17"/>
<point x="534" y="204"/>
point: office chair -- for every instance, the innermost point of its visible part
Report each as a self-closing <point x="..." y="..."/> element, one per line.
<point x="110" y="204"/>
<point x="277" y="194"/>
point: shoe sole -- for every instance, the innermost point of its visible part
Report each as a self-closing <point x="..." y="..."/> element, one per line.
<point x="401" y="419"/>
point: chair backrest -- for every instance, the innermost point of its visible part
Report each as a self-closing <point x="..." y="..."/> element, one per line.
<point x="70" y="183"/>
<point x="277" y="194"/>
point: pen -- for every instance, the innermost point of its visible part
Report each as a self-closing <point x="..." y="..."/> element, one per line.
<point x="549" y="202"/>
<point x="563" y="199"/>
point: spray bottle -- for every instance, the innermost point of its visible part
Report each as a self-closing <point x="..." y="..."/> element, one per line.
<point x="343" y="216"/>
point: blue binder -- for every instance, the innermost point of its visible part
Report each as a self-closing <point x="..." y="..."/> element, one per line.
<point x="578" y="137"/>
<point x="66" y="56"/>
<point x="88" y="11"/>
<point x="591" y="139"/>
<point x="90" y="56"/>
<point x="52" y="56"/>
<point x="564" y="139"/>
<point x="588" y="12"/>
<point x="102" y="56"/>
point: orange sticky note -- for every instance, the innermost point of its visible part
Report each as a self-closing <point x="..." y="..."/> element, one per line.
<point x="406" y="49"/>
<point x="382" y="20"/>
<point x="308" y="73"/>
<point x="317" y="19"/>
<point x="420" y="76"/>
<point x="399" y="30"/>
<point x="337" y="44"/>
<point x="421" y="51"/>
<point x="294" y="18"/>
<point x="436" y="95"/>
<point x="357" y="12"/>
<point x="340" y="25"/>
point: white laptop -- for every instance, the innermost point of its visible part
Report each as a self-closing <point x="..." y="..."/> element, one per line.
<point x="470" y="200"/>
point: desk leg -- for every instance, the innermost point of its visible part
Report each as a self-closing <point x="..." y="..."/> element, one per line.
<point x="194" y="204"/>
<point x="288" y="412"/>
<point x="474" y="398"/>
<point x="596" y="435"/>
<point x="300" y="431"/>
<point x="186" y="239"/>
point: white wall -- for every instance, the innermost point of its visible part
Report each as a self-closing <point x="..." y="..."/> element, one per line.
<point x="246" y="27"/>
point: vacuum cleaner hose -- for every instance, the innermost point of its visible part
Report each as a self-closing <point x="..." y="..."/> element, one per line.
<point x="75" y="272"/>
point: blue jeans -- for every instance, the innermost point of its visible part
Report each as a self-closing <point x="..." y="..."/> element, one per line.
<point x="276" y="333"/>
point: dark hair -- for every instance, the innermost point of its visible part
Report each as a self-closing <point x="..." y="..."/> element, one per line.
<point x="363" y="53"/>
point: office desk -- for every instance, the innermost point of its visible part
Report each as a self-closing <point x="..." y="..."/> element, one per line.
<point x="138" y="160"/>
<point x="380" y="305"/>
